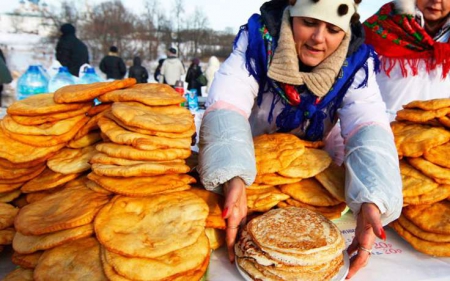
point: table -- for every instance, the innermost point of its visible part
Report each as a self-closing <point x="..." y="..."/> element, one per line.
<point x="392" y="260"/>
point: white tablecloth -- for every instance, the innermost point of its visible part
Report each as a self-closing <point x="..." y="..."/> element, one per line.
<point x="392" y="260"/>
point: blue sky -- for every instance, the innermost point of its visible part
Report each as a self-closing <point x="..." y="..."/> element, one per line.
<point x="221" y="13"/>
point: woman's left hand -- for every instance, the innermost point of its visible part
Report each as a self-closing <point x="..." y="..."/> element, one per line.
<point x="368" y="227"/>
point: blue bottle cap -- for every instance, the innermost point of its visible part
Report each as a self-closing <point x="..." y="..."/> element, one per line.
<point x="90" y="70"/>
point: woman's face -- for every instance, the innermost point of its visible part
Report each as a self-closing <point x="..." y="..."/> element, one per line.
<point x="315" y="40"/>
<point x="434" y="10"/>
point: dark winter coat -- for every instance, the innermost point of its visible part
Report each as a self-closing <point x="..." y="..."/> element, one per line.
<point x="70" y="51"/>
<point x="113" y="67"/>
<point x="193" y="73"/>
<point x="137" y="71"/>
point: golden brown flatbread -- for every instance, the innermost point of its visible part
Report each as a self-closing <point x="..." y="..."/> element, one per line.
<point x="157" y="224"/>
<point x="71" y="160"/>
<point x="18" y="152"/>
<point x="143" y="186"/>
<point x="430" y="248"/>
<point x="432" y="104"/>
<point x="150" y="94"/>
<point x="51" y="117"/>
<point x="310" y="191"/>
<point x="28" y="244"/>
<point x="129" y="152"/>
<point x="119" y="135"/>
<point x="55" y="128"/>
<point x="309" y="164"/>
<point x="7" y="214"/>
<point x="46" y="141"/>
<point x="414" y="182"/>
<point x="186" y="134"/>
<point x="28" y="261"/>
<point x="333" y="180"/>
<point x="76" y="260"/>
<point x="88" y="92"/>
<point x="215" y="204"/>
<point x="262" y="200"/>
<point x="431" y="170"/>
<point x="419" y="115"/>
<point x="42" y="104"/>
<point x="66" y="209"/>
<point x="47" y="180"/>
<point x="439" y="155"/>
<point x="432" y="218"/>
<point x="174" y="119"/>
<point x="276" y="152"/>
<point x="412" y="140"/>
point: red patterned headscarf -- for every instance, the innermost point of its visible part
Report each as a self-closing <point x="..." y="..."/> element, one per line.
<point x="399" y="38"/>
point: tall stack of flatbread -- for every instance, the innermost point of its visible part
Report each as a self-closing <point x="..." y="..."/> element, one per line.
<point x="47" y="144"/>
<point x="147" y="139"/>
<point x="159" y="237"/>
<point x="422" y="136"/>
<point x="7" y="214"/>
<point x="290" y="244"/>
<point x="292" y="172"/>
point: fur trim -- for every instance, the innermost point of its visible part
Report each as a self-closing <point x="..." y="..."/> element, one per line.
<point x="405" y="6"/>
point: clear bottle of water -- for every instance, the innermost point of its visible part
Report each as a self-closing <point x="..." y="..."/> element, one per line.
<point x="90" y="76"/>
<point x="32" y="82"/>
<point x="61" y="79"/>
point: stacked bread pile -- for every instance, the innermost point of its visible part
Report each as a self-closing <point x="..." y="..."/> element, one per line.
<point x="215" y="225"/>
<point x="422" y="140"/>
<point x="292" y="172"/>
<point x="56" y="222"/>
<point x="55" y="232"/>
<point x="7" y="214"/>
<point x="148" y="137"/>
<point x="160" y="237"/>
<point x="290" y="244"/>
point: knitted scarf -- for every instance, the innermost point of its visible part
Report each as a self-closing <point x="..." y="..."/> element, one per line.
<point x="400" y="39"/>
<point x="302" y="109"/>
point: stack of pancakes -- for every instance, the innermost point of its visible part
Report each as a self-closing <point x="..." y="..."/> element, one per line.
<point x="290" y="244"/>
<point x="422" y="138"/>
<point x="293" y="172"/>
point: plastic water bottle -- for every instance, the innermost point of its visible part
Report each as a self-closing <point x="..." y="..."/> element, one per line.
<point x="192" y="100"/>
<point x="32" y="82"/>
<point x="90" y="76"/>
<point x="61" y="79"/>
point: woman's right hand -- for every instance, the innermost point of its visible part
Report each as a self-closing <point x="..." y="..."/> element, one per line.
<point x="235" y="211"/>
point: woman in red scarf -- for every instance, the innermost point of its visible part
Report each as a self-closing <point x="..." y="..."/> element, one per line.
<point x="412" y="39"/>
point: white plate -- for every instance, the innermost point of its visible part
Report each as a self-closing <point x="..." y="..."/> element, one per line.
<point x="338" y="277"/>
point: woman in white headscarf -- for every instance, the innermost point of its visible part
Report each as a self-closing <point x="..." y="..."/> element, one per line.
<point x="299" y="68"/>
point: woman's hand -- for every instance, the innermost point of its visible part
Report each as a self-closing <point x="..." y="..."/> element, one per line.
<point x="368" y="225"/>
<point x="235" y="211"/>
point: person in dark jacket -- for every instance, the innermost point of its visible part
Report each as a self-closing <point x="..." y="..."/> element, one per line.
<point x="137" y="71"/>
<point x="158" y="71"/>
<point x="71" y="51"/>
<point x="112" y="65"/>
<point x="194" y="71"/>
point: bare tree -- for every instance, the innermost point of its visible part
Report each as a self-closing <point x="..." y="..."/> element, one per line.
<point x="197" y="29"/>
<point x="110" y="23"/>
<point x="179" y="11"/>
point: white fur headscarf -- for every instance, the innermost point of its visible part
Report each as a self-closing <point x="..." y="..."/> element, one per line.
<point x="405" y="6"/>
